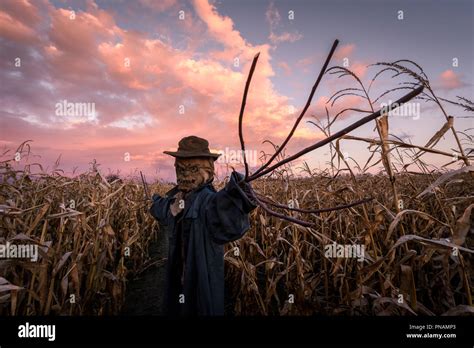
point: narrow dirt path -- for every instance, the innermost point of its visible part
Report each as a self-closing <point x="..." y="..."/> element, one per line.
<point x="145" y="292"/>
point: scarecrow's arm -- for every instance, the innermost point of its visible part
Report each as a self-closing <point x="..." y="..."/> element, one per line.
<point x="226" y="211"/>
<point x="159" y="208"/>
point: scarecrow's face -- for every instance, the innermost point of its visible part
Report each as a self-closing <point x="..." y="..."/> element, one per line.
<point x="193" y="172"/>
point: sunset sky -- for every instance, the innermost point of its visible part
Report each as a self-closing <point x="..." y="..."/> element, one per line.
<point x="154" y="77"/>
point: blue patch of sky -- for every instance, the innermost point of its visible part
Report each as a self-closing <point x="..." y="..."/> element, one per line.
<point x="431" y="33"/>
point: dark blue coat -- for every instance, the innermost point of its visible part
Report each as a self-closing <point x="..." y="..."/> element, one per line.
<point x="209" y="220"/>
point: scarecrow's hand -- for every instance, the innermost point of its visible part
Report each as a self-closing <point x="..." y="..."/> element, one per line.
<point x="244" y="190"/>
<point x="227" y="211"/>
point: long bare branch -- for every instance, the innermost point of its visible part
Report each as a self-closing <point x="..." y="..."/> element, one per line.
<point x="241" y="115"/>
<point x="342" y="132"/>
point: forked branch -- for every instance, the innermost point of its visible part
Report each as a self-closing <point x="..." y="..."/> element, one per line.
<point x="300" y="117"/>
<point x="263" y="201"/>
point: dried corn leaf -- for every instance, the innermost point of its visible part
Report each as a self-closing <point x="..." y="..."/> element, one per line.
<point x="463" y="225"/>
<point x="407" y="284"/>
<point x="431" y="242"/>
<point x="443" y="178"/>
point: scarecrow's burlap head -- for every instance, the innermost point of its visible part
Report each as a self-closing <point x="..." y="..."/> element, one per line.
<point x="191" y="173"/>
<point x="194" y="163"/>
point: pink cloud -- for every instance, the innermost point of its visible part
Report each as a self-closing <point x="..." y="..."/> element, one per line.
<point x="15" y="30"/>
<point x="285" y="67"/>
<point x="284" y="37"/>
<point x="82" y="60"/>
<point x="21" y="11"/>
<point x="273" y="18"/>
<point x="344" y="51"/>
<point x="449" y="80"/>
<point x="305" y="62"/>
<point x="138" y="106"/>
<point x="359" y="68"/>
<point x="220" y="27"/>
<point x="272" y="15"/>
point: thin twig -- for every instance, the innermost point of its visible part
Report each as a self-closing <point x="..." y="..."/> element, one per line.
<point x="278" y="215"/>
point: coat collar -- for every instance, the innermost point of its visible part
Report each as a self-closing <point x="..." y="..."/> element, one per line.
<point x="175" y="190"/>
<point x="191" y="209"/>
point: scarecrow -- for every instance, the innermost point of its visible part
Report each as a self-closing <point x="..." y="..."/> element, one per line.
<point x="199" y="221"/>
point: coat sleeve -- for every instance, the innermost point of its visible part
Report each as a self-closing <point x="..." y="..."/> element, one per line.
<point x="159" y="208"/>
<point x="227" y="211"/>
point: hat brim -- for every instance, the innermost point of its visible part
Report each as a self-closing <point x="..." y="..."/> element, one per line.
<point x="184" y="154"/>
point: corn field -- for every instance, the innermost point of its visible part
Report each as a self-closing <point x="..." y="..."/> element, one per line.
<point x="89" y="250"/>
<point x="409" y="252"/>
<point x="93" y="233"/>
